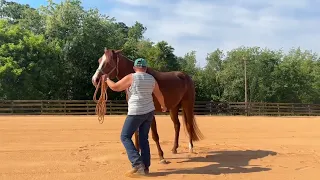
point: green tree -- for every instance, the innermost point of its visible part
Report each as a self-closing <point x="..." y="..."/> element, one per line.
<point x="210" y="77"/>
<point x="51" y="53"/>
<point x="29" y="65"/>
<point x="293" y="80"/>
<point x="12" y="11"/>
<point x="188" y="63"/>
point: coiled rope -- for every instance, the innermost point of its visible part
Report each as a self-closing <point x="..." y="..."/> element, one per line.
<point x="101" y="107"/>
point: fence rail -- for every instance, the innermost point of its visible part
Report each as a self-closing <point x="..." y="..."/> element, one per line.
<point x="87" y="107"/>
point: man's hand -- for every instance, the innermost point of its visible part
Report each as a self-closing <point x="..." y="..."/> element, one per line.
<point x="121" y="85"/>
<point x="164" y="109"/>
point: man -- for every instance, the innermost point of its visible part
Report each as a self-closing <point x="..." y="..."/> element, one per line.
<point x="139" y="87"/>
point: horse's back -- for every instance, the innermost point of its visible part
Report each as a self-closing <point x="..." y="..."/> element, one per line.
<point x="174" y="76"/>
<point x="174" y="85"/>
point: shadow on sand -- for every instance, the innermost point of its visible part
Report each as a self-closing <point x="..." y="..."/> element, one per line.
<point x="222" y="162"/>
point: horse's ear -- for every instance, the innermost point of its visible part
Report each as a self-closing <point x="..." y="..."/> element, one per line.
<point x="105" y="49"/>
<point x="118" y="51"/>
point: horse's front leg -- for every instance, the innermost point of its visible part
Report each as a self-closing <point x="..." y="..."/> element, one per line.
<point x="136" y="140"/>
<point x="155" y="137"/>
<point x="174" y="113"/>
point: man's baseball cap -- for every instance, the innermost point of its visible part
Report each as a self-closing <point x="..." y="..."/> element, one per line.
<point x="140" y="62"/>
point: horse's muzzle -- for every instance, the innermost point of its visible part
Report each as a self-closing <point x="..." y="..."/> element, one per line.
<point x="95" y="78"/>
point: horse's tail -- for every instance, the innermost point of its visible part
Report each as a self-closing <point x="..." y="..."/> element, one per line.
<point x="188" y="112"/>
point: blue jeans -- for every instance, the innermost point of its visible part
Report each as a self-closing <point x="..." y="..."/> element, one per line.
<point x="141" y="123"/>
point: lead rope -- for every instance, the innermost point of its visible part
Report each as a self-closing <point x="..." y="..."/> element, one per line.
<point x="101" y="107"/>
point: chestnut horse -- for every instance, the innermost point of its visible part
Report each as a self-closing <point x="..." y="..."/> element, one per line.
<point x="177" y="88"/>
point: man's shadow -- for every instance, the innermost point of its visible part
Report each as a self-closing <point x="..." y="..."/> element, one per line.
<point x="223" y="162"/>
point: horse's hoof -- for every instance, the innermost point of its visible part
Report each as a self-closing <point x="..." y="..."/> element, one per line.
<point x="191" y="150"/>
<point x="163" y="161"/>
<point x="174" y="151"/>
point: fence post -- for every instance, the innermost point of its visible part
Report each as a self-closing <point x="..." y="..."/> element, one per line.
<point x="309" y="110"/>
<point x="246" y="108"/>
<point x="12" y="106"/>
<point x="87" y="107"/>
<point x="41" y="109"/>
<point x="210" y="107"/>
<point x="110" y="107"/>
<point x="65" y="107"/>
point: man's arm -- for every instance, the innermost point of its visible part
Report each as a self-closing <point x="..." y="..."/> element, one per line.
<point x="159" y="95"/>
<point x="121" y="85"/>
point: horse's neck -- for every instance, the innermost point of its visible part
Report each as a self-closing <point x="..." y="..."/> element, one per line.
<point x="152" y="72"/>
<point x="126" y="67"/>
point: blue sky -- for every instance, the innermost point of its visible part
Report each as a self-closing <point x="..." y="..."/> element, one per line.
<point x="205" y="25"/>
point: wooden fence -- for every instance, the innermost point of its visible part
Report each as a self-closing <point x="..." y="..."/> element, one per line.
<point x="87" y="107"/>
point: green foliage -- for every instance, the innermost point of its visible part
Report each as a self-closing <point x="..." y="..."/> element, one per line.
<point x="29" y="65"/>
<point x="52" y="52"/>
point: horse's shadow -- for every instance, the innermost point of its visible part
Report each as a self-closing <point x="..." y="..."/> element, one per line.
<point x="223" y="162"/>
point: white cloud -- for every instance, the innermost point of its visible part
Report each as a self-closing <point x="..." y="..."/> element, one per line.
<point x="136" y="2"/>
<point x="205" y="25"/>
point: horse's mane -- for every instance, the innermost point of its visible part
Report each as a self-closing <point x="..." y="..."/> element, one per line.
<point x="125" y="57"/>
<point x="150" y="70"/>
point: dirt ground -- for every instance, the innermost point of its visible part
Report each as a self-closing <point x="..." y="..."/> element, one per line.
<point x="78" y="147"/>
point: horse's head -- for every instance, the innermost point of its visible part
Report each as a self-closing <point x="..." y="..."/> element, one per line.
<point x="108" y="65"/>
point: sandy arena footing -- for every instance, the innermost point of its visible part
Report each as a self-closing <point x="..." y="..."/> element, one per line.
<point x="235" y="147"/>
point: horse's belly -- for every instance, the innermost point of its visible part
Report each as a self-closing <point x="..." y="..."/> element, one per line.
<point x="172" y="97"/>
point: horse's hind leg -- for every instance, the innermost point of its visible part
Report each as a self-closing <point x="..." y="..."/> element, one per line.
<point x="136" y="142"/>
<point x="194" y="132"/>
<point x="175" y="119"/>
<point x="185" y="113"/>
<point x="155" y="137"/>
